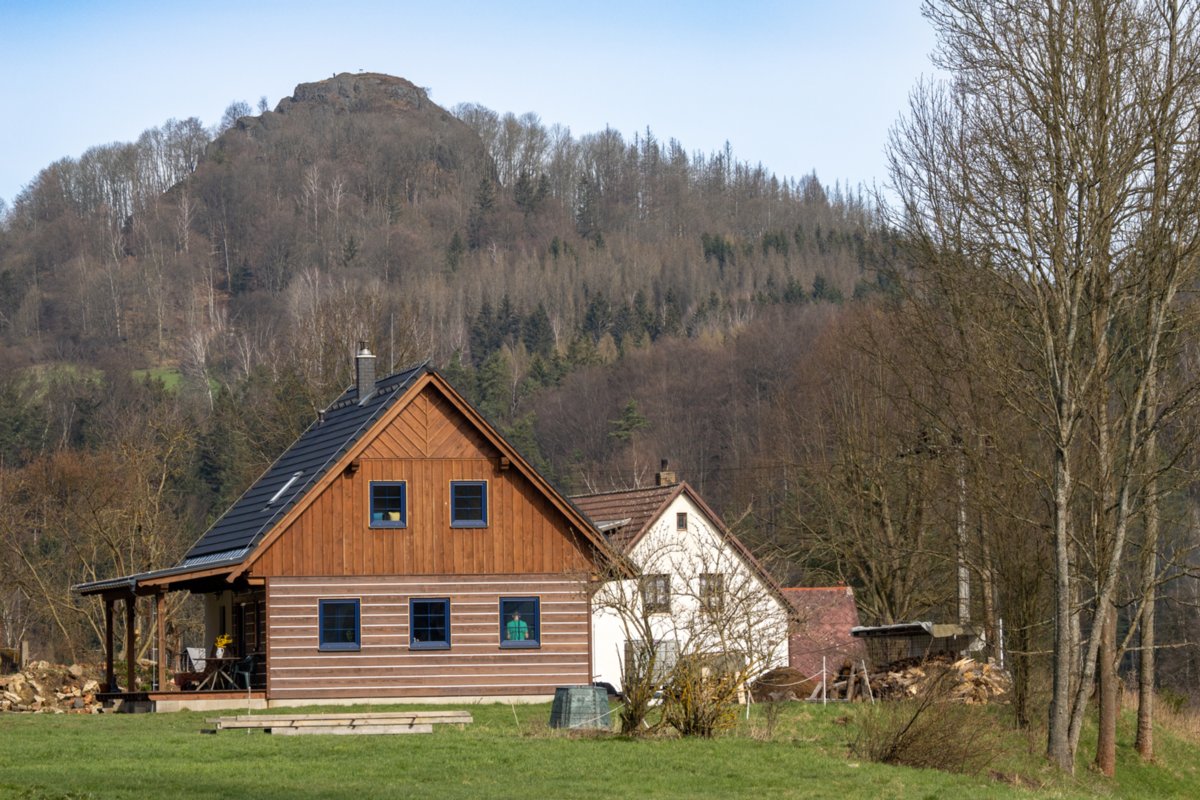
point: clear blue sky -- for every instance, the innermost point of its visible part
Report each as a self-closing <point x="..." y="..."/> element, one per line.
<point x="798" y="86"/>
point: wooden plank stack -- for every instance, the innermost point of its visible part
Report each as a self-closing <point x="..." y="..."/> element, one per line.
<point x="346" y="723"/>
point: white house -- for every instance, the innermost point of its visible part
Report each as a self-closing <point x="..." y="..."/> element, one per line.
<point x="701" y="592"/>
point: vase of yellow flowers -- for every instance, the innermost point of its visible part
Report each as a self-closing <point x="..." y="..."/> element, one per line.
<point x="219" y="645"/>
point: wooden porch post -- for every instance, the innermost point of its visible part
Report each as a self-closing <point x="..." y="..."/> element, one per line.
<point x="160" y="613"/>
<point x="108" y="643"/>
<point x="130" y="641"/>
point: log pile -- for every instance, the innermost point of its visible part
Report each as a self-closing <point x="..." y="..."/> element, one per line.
<point x="50" y="689"/>
<point x="782" y="683"/>
<point x="963" y="681"/>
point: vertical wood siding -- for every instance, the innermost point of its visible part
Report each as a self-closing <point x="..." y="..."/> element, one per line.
<point x="427" y="445"/>
<point x="475" y="664"/>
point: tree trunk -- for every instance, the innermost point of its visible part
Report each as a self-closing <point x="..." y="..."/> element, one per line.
<point x="1106" y="741"/>
<point x="1144" y="740"/>
<point x="1066" y="645"/>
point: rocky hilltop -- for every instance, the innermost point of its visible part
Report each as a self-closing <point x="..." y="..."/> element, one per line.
<point x="381" y="134"/>
<point x="362" y="92"/>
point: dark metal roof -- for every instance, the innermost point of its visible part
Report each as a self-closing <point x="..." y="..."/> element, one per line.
<point x="326" y="440"/>
<point x="132" y="582"/>
<point x="236" y="533"/>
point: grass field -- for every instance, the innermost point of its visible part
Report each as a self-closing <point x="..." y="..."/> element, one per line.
<point x="510" y="752"/>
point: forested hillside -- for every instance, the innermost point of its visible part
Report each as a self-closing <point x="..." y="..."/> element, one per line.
<point x="174" y="310"/>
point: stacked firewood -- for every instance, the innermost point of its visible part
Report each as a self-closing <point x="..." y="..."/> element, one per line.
<point x="964" y="681"/>
<point x="50" y="689"/>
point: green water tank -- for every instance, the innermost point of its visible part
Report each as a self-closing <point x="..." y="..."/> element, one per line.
<point x="580" y="707"/>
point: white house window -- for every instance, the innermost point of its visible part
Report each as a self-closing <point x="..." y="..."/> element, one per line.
<point x="656" y="593"/>
<point x="638" y="655"/>
<point x="681" y="521"/>
<point x="712" y="591"/>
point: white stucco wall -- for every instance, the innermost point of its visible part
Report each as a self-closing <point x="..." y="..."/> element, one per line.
<point x="755" y="621"/>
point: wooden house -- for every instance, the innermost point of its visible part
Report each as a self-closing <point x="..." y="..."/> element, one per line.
<point x="399" y="549"/>
<point x="700" y="591"/>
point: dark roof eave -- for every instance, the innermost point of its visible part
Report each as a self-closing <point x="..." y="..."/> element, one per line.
<point x="895" y="629"/>
<point x="131" y="583"/>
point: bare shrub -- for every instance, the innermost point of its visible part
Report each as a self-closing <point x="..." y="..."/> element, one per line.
<point x="771" y="711"/>
<point x="928" y="731"/>
<point x="701" y="698"/>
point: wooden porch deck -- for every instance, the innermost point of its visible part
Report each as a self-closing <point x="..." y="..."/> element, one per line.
<point x="203" y="700"/>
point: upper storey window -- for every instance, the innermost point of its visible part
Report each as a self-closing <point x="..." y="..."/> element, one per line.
<point x="389" y="504"/>
<point x="468" y="504"/>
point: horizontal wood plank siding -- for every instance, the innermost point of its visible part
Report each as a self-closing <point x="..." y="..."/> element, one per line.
<point x="475" y="664"/>
<point x="427" y="445"/>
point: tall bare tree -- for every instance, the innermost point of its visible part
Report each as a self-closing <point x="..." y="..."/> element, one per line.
<point x="1041" y="174"/>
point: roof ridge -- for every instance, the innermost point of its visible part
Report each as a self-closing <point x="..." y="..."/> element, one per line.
<point x="624" y="491"/>
<point x="813" y="588"/>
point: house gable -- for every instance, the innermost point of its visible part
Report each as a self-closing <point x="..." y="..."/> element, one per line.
<point x="430" y="427"/>
<point x="683" y="540"/>
<point x="704" y="546"/>
<point x="427" y="441"/>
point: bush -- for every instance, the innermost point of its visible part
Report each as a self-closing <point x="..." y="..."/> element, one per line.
<point x="701" y="698"/>
<point x="929" y="731"/>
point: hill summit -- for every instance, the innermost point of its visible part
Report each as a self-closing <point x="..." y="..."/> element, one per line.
<point x="369" y="92"/>
<point x="352" y="118"/>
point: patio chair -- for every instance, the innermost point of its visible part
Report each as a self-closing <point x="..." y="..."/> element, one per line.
<point x="245" y="669"/>
<point x="196" y="656"/>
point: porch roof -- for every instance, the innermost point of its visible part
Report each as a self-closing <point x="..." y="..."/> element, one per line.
<point x="134" y="584"/>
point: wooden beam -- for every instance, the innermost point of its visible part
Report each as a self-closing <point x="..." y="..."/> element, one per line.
<point x="145" y="586"/>
<point x="160" y="615"/>
<point x="109" y="678"/>
<point x="130" y="642"/>
<point x="367" y="730"/>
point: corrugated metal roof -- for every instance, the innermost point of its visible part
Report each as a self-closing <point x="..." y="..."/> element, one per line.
<point x="253" y="515"/>
<point x="634" y="507"/>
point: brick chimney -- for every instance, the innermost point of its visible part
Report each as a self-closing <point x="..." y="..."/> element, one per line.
<point x="364" y="370"/>
<point x="664" y="477"/>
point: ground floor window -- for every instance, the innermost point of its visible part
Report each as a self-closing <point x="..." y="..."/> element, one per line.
<point x="429" y="624"/>
<point x="520" y="622"/>
<point x="653" y="659"/>
<point x="338" y="624"/>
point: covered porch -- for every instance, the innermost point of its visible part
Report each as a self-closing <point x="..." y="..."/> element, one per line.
<point x="189" y="669"/>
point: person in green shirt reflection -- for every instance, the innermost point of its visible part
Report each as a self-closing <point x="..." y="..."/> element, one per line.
<point x="516" y="629"/>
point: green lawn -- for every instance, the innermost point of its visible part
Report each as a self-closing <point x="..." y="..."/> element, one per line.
<point x="510" y="752"/>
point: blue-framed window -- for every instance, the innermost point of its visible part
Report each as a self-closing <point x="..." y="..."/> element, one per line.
<point x="389" y="504"/>
<point x="520" y="622"/>
<point x="338" y="624"/>
<point x="468" y="504"/>
<point x="429" y="623"/>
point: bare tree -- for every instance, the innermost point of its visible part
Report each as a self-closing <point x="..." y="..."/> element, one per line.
<point x="1039" y="175"/>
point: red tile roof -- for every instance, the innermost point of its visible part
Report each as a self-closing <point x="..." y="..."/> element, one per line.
<point x="824" y="617"/>
<point x="638" y="506"/>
